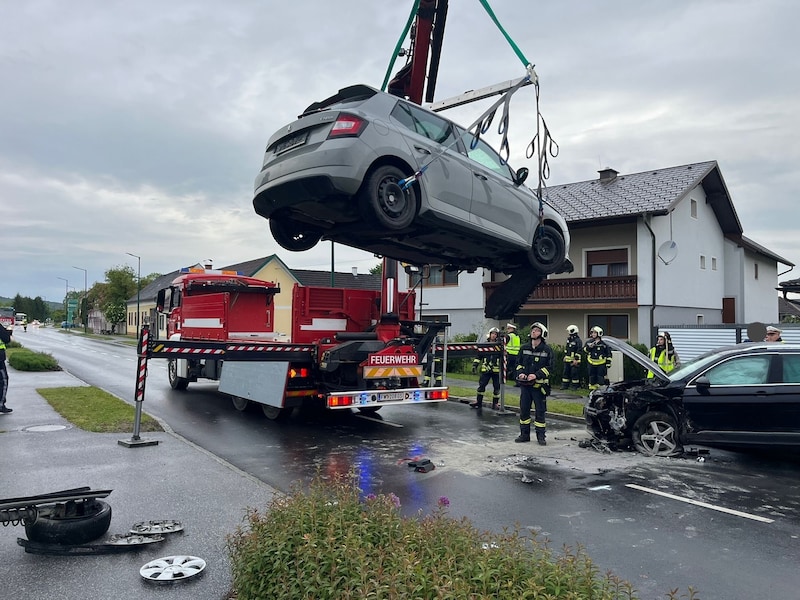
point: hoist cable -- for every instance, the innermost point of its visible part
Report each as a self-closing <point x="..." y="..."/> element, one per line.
<point x="399" y="44"/>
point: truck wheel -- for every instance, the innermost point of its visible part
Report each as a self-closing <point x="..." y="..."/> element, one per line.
<point x="273" y="413"/>
<point x="547" y="251"/>
<point x="387" y="202"/>
<point x="240" y="403"/>
<point x="175" y="382"/>
<point x="656" y="434"/>
<point x="71" y="523"/>
<point x="292" y="235"/>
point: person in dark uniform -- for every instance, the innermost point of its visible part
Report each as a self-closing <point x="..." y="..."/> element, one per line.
<point x="533" y="374"/>
<point x="598" y="355"/>
<point x="572" y="359"/>
<point x="490" y="371"/>
<point x="5" y="338"/>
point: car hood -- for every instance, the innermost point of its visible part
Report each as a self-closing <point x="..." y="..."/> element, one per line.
<point x="636" y="356"/>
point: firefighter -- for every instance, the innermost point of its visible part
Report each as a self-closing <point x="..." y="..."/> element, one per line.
<point x="513" y="343"/>
<point x="532" y="374"/>
<point x="663" y="354"/>
<point x="490" y="370"/>
<point x="598" y="355"/>
<point x="572" y="359"/>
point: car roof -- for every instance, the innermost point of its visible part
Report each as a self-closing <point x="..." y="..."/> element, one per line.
<point x="351" y="92"/>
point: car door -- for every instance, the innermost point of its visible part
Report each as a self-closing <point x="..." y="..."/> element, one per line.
<point x="732" y="400"/>
<point x="499" y="206"/>
<point x="432" y="140"/>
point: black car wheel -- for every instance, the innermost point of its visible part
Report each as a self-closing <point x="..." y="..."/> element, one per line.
<point x="70" y="523"/>
<point x="656" y="434"/>
<point x="293" y="236"/>
<point x="547" y="251"/>
<point x="273" y="413"/>
<point x="384" y="198"/>
<point x="175" y="382"/>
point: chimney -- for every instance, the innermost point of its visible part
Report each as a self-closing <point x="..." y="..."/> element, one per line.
<point x="607" y="175"/>
<point x="354" y="270"/>
<point x="208" y="264"/>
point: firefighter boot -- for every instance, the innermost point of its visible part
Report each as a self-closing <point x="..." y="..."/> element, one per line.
<point x="478" y="402"/>
<point x="495" y="402"/>
<point x="540" y="436"/>
<point x="565" y="384"/>
<point x="524" y="433"/>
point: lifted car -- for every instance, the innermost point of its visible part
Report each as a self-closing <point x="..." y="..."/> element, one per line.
<point x="745" y="396"/>
<point x="338" y="173"/>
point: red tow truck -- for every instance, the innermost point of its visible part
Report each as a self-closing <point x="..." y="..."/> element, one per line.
<point x="348" y="348"/>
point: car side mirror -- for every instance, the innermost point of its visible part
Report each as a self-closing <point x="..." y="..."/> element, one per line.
<point x="703" y="384"/>
<point x="520" y="176"/>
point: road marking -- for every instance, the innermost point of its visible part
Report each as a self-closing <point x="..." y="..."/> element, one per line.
<point x="730" y="511"/>
<point x="378" y="420"/>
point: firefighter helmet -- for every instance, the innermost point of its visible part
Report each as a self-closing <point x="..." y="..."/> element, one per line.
<point x="491" y="331"/>
<point x="541" y="327"/>
<point x="510" y="326"/>
<point x="598" y="330"/>
<point x="572" y="329"/>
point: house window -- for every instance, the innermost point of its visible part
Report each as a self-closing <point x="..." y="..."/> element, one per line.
<point x="613" y="325"/>
<point x="701" y="319"/>
<point x="693" y="209"/>
<point x="702" y="262"/>
<point x="713" y="263"/>
<point x="755" y="270"/>
<point x="607" y="263"/>
<point x="433" y="276"/>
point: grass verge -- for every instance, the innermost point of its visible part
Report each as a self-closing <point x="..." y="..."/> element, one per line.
<point x="93" y="409"/>
<point x="562" y="407"/>
<point x="23" y="359"/>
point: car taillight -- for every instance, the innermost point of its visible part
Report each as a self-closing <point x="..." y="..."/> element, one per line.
<point x="347" y="126"/>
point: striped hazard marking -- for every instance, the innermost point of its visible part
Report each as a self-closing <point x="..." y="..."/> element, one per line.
<point x="396" y="371"/>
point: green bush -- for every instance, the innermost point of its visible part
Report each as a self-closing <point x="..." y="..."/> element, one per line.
<point x="330" y="543"/>
<point x="461" y="365"/>
<point x="23" y="359"/>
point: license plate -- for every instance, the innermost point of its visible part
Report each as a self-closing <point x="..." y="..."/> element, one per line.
<point x="391" y="396"/>
<point x="292" y="142"/>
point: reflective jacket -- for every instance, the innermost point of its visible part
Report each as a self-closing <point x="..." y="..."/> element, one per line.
<point x="572" y="350"/>
<point x="667" y="360"/>
<point x="597" y="353"/>
<point x="537" y="361"/>
<point x="513" y="343"/>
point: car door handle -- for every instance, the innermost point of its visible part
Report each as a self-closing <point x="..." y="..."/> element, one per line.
<point x="480" y="176"/>
<point x="422" y="149"/>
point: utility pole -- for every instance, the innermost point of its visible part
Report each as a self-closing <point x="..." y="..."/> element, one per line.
<point x="66" y="294"/>
<point x="84" y="303"/>
<point x="138" y="289"/>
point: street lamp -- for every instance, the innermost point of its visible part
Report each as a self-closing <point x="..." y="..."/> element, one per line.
<point x="66" y="294"/>
<point x="138" y="288"/>
<point x="84" y="304"/>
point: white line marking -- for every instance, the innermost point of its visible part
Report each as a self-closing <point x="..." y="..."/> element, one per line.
<point x="730" y="511"/>
<point x="378" y="420"/>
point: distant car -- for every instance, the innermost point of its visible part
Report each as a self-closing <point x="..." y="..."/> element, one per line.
<point x="335" y="174"/>
<point x="745" y="396"/>
<point x="66" y="325"/>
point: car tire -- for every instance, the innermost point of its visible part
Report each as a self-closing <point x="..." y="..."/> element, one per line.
<point x="88" y="521"/>
<point x="292" y="235"/>
<point x="385" y="201"/>
<point x="656" y="434"/>
<point x="547" y="252"/>
<point x="175" y="382"/>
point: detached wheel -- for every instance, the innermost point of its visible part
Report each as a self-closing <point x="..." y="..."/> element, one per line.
<point x="70" y="523"/>
<point x="547" y="251"/>
<point x="656" y="434"/>
<point x="175" y="382"/>
<point x="382" y="197"/>
<point x="292" y="235"/>
<point x="273" y="413"/>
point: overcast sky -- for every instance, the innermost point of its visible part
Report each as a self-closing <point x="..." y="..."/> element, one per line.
<point x="140" y="126"/>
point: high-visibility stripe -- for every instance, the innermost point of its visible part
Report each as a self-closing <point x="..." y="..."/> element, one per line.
<point x="379" y="372"/>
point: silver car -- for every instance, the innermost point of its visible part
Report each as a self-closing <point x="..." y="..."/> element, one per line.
<point x="337" y="173"/>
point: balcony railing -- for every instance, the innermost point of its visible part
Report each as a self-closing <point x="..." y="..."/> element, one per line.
<point x="582" y="290"/>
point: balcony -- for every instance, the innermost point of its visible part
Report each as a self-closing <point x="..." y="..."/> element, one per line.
<point x="614" y="292"/>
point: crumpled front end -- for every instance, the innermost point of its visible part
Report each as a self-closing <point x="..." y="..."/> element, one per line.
<point x="611" y="412"/>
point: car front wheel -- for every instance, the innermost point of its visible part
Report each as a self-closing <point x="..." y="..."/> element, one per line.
<point x="293" y="236"/>
<point x="547" y="251"/>
<point x="656" y="434"/>
<point x="384" y="198"/>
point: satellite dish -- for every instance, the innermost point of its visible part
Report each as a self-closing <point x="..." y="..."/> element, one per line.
<point x="668" y="251"/>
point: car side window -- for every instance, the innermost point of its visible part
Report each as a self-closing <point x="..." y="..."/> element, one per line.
<point x="791" y="368"/>
<point x="424" y="123"/>
<point x="485" y="155"/>
<point x="743" y="370"/>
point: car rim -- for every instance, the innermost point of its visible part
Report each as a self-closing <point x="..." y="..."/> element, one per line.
<point x="157" y="527"/>
<point x="660" y="438"/>
<point x="170" y="569"/>
<point x="392" y="198"/>
<point x="545" y="248"/>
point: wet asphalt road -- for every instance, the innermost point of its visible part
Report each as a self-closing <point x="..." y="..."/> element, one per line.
<point x="566" y="494"/>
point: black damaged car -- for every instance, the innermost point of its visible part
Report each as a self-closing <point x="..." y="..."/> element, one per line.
<point x="742" y="397"/>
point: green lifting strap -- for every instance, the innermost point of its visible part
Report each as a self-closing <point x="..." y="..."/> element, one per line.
<point x="399" y="43"/>
<point x="514" y="47"/>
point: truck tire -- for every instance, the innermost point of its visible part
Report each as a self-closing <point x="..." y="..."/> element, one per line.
<point x="72" y="523"/>
<point x="175" y="382"/>
<point x="273" y="413"/>
<point x="240" y="403"/>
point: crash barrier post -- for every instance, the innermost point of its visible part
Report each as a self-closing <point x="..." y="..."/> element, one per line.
<point x="141" y="378"/>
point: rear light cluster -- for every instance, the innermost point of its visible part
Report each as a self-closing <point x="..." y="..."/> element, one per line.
<point x="347" y="125"/>
<point x="302" y="372"/>
<point x="372" y="398"/>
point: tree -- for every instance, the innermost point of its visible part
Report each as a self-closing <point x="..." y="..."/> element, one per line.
<point x="120" y="285"/>
<point x="377" y="269"/>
